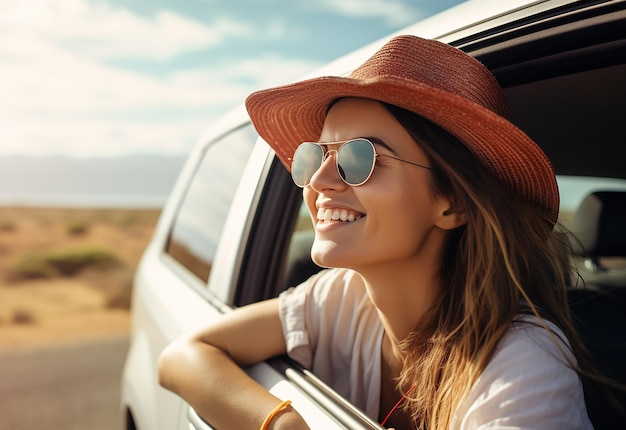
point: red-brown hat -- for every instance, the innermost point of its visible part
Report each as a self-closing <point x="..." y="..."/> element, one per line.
<point x="432" y="79"/>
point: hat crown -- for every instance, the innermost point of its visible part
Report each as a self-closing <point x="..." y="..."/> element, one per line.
<point x="430" y="63"/>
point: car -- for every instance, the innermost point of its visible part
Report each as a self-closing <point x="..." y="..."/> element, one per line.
<point x="234" y="230"/>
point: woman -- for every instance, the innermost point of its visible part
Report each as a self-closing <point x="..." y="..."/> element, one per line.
<point x="446" y="293"/>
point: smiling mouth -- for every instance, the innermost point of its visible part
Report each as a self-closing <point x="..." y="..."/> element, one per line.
<point x="343" y="215"/>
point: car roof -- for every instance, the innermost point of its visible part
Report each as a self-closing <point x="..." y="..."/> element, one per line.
<point x="466" y="15"/>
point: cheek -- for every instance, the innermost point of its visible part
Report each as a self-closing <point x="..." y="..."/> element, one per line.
<point x="404" y="211"/>
<point x="309" y="197"/>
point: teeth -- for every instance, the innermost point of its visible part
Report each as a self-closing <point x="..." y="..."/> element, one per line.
<point x="336" y="215"/>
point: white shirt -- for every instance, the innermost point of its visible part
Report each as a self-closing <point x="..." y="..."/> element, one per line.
<point x="332" y="328"/>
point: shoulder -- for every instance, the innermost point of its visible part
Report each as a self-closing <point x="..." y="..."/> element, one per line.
<point x="530" y="340"/>
<point x="529" y="382"/>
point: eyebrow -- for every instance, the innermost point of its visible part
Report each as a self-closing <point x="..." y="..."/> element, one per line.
<point x="382" y="143"/>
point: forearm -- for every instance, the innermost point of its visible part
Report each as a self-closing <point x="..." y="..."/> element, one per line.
<point x="219" y="390"/>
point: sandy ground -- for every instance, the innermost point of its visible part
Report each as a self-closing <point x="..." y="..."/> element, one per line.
<point x="92" y="303"/>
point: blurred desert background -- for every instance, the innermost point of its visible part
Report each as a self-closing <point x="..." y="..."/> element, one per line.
<point x="66" y="273"/>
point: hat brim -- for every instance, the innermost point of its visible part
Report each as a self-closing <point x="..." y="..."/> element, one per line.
<point x="289" y="115"/>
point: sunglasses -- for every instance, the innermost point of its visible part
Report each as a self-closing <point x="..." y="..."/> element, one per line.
<point x="355" y="160"/>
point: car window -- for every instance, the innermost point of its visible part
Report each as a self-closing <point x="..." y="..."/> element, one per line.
<point x="200" y="220"/>
<point x="573" y="190"/>
<point x="299" y="265"/>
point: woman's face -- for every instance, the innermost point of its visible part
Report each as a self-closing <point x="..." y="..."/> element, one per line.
<point x="398" y="217"/>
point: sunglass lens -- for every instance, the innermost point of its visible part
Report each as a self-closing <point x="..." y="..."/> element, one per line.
<point x="355" y="161"/>
<point x="306" y="161"/>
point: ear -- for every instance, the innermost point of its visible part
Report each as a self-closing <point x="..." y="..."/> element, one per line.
<point x="451" y="214"/>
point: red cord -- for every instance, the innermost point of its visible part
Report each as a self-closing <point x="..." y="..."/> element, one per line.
<point x="397" y="405"/>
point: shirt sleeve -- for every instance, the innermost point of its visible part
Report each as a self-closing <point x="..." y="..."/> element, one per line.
<point x="527" y="385"/>
<point x="294" y="311"/>
<point x="332" y="328"/>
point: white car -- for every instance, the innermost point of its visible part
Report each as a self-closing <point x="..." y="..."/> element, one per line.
<point x="234" y="230"/>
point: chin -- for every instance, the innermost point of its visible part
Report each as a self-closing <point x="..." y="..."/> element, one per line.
<point x="328" y="255"/>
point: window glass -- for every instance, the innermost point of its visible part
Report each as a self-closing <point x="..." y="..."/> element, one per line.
<point x="198" y="226"/>
<point x="573" y="189"/>
<point x="299" y="266"/>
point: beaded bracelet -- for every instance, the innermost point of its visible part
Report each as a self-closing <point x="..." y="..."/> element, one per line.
<point x="275" y="411"/>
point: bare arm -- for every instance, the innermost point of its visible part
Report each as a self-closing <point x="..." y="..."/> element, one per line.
<point x="204" y="369"/>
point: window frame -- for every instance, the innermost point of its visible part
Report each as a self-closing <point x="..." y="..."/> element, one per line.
<point x="218" y="297"/>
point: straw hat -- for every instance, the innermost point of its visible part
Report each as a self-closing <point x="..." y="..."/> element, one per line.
<point x="435" y="80"/>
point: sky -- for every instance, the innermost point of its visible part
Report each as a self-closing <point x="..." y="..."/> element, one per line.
<point x="92" y="78"/>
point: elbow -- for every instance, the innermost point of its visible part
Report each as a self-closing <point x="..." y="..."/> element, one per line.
<point x="168" y="362"/>
<point x="180" y="362"/>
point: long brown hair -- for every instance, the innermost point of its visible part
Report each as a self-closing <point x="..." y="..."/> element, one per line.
<point x="507" y="260"/>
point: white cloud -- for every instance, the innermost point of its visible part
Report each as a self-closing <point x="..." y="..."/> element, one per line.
<point x="56" y="100"/>
<point x="394" y="12"/>
<point x="93" y="110"/>
<point x="45" y="77"/>
<point x="103" y="31"/>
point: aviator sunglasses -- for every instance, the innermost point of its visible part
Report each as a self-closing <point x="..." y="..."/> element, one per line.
<point x="355" y="160"/>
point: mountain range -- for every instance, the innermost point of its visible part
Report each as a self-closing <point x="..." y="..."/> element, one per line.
<point x="129" y="180"/>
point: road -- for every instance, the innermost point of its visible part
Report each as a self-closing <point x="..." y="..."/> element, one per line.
<point x="69" y="387"/>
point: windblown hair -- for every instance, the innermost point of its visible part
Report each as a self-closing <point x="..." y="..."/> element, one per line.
<point x="506" y="261"/>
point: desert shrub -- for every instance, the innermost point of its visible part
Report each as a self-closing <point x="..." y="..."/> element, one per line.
<point x="127" y="219"/>
<point x="115" y="285"/>
<point x="120" y="296"/>
<point x="8" y="226"/>
<point x="21" y="316"/>
<point x="77" y="227"/>
<point x="63" y="262"/>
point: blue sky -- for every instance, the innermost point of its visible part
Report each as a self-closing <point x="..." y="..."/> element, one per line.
<point x="100" y="78"/>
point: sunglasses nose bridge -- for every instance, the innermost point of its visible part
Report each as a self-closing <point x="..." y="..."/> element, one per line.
<point x="327" y="153"/>
<point x="322" y="175"/>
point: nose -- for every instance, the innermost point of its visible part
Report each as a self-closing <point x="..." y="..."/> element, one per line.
<point x="327" y="176"/>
